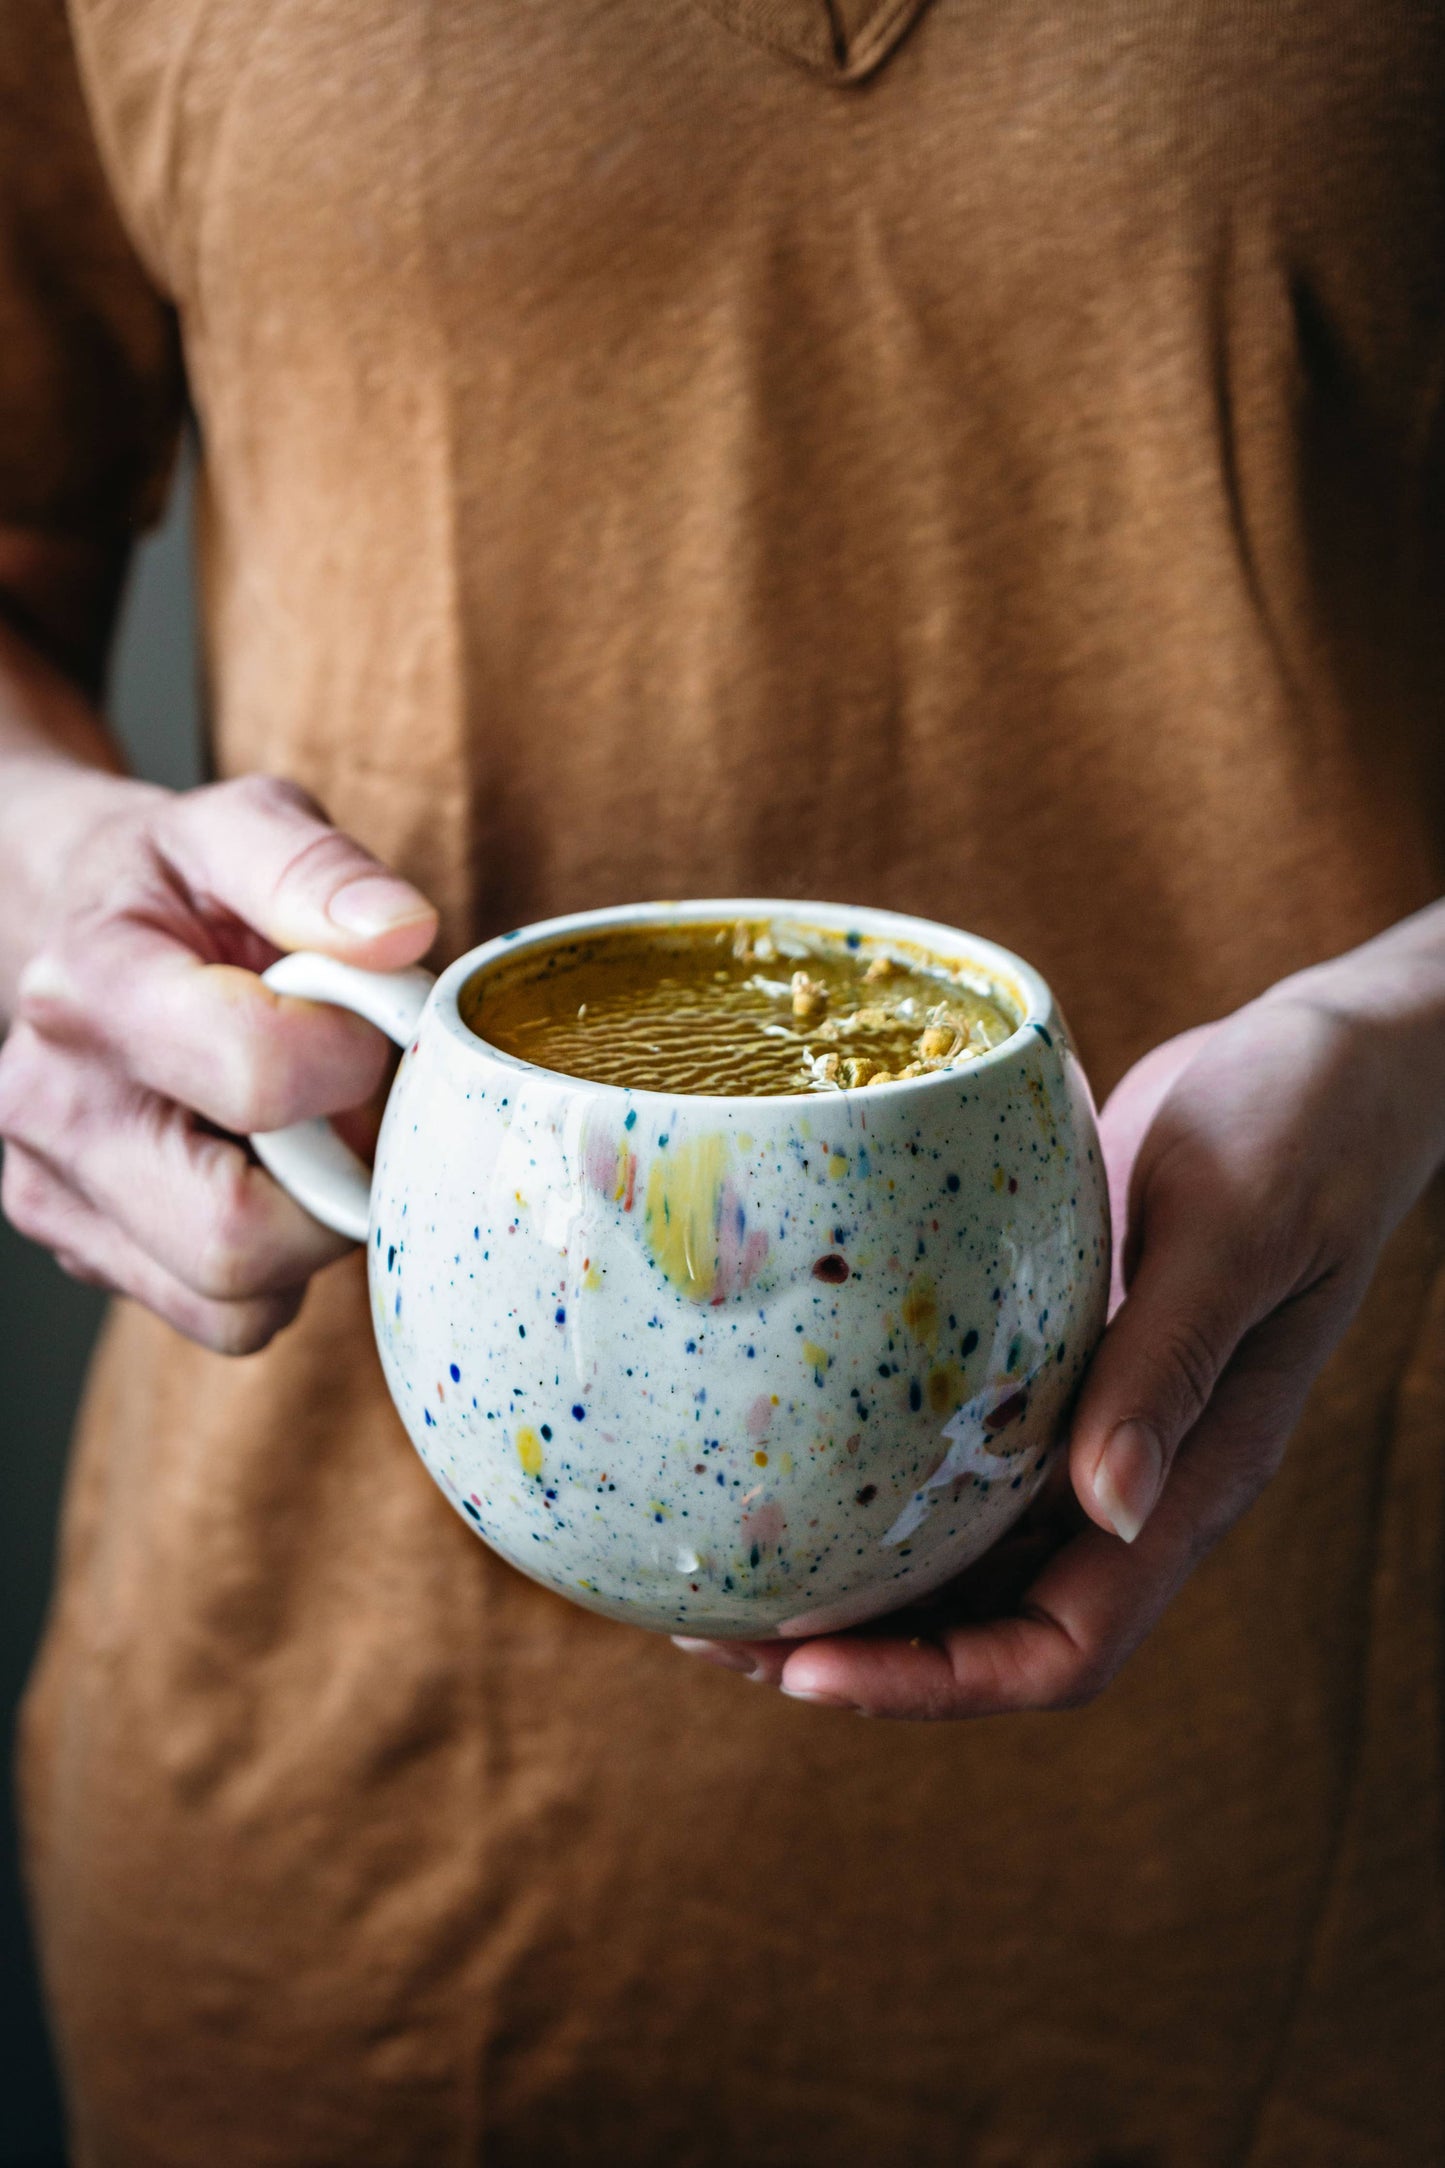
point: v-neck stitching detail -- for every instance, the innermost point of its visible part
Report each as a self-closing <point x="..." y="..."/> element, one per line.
<point x="816" y="35"/>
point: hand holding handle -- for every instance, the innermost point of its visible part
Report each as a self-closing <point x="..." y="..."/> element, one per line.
<point x="309" y="1158"/>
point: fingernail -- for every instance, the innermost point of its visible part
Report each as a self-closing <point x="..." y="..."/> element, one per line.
<point x="820" y="1700"/>
<point x="376" y="903"/>
<point x="1129" y="1478"/>
<point x="715" y="1652"/>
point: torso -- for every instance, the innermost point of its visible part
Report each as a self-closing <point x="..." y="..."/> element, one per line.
<point x="1005" y="487"/>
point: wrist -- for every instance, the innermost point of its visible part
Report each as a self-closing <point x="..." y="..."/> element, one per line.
<point x="1396" y="984"/>
<point x="1390" y="994"/>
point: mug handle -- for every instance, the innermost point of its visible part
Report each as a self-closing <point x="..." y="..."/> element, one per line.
<point x="308" y="1158"/>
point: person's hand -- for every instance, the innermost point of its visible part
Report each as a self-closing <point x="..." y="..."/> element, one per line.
<point x="143" y="1046"/>
<point x="1257" y="1166"/>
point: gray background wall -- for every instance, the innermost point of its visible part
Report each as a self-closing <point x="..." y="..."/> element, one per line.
<point x="47" y="1323"/>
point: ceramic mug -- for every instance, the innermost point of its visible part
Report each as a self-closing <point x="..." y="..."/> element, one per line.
<point x="724" y="1366"/>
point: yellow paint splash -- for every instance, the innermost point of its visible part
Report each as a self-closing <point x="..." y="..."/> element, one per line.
<point x="592" y="1278"/>
<point x="681" y="1214"/>
<point x="838" y="1166"/>
<point x="817" y="1358"/>
<point x="920" y="1310"/>
<point x="1042" y="1104"/>
<point x="945" y="1389"/>
<point x="529" y="1451"/>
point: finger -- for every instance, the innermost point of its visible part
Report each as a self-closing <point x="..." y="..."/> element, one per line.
<point x="263" y="850"/>
<point x="993" y="1584"/>
<point x="42" y="1208"/>
<point x="950" y="1669"/>
<point x="208" y="1035"/>
<point x="1194" y="1295"/>
<point x="195" y="1202"/>
<point x="1073" y="1630"/>
<point x="759" y="1660"/>
<point x="1124" y="1122"/>
<point x="1096" y="1600"/>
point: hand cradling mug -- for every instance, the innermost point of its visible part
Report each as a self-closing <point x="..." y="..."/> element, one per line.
<point x="733" y="1264"/>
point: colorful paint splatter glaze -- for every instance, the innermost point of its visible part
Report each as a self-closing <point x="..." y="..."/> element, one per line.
<point x="738" y="1366"/>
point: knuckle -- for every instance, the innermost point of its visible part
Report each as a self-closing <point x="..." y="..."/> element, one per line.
<point x="120" y="872"/>
<point x="1076" y="1670"/>
<point x="325" y="856"/>
<point x="1188" y="1352"/>
<point x="14" y="1091"/>
<point x="48" y="995"/>
<point x="255" y="1080"/>
<point x="241" y="1101"/>
<point x="289" y="1061"/>
<point x="264" y="795"/>
<point x="244" y="1328"/>
<point x="232" y="1254"/>
<point x="25" y="1196"/>
<point x="47" y="1098"/>
<point x="1084" y="1684"/>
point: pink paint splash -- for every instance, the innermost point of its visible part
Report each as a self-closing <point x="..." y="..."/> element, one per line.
<point x="741" y="1251"/>
<point x="599" y="1160"/>
<point x="764" y="1525"/>
<point x="610" y="1167"/>
<point x="759" y="1418"/>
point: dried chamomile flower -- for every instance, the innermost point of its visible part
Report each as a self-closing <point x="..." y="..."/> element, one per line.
<point x="858" y="1069"/>
<point x="754" y="946"/>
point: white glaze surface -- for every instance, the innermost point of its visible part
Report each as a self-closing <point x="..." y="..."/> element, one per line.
<point x="764" y="1445"/>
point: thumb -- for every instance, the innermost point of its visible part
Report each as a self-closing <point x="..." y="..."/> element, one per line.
<point x="265" y="851"/>
<point x="1191" y="1301"/>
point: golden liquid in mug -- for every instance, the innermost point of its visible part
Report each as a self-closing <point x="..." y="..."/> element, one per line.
<point x="736" y="1011"/>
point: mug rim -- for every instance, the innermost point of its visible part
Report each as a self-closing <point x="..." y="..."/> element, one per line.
<point x="954" y="944"/>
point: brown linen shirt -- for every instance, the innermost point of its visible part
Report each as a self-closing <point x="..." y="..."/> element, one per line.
<point x="979" y="458"/>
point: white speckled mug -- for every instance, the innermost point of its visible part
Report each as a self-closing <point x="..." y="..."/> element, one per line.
<point x="726" y="1366"/>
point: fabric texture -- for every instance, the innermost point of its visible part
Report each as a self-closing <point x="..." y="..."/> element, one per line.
<point x="737" y="447"/>
<point x="90" y="374"/>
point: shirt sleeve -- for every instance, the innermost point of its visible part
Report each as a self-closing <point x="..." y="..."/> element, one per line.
<point x="91" y="386"/>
